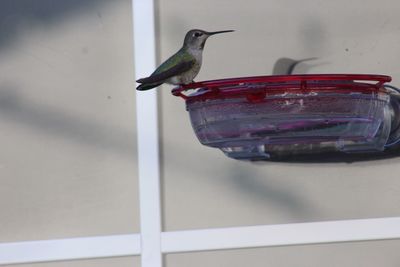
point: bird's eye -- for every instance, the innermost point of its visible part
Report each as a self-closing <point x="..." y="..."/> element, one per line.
<point x="198" y="34"/>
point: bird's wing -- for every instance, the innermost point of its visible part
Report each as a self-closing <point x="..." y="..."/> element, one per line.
<point x="147" y="86"/>
<point x="168" y="73"/>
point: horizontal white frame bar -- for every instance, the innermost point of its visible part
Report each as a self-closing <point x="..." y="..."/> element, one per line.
<point x="281" y="235"/>
<point x="69" y="249"/>
<point x="203" y="240"/>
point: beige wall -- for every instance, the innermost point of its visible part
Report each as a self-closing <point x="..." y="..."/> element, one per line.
<point x="67" y="138"/>
<point x="67" y="126"/>
<point x="203" y="188"/>
<point x="201" y="179"/>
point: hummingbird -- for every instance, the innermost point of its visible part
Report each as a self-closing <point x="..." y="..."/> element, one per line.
<point x="184" y="65"/>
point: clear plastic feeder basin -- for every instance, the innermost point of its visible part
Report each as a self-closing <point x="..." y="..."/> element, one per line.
<point x="274" y="116"/>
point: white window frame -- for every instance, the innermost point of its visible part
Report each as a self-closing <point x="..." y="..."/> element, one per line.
<point x="151" y="242"/>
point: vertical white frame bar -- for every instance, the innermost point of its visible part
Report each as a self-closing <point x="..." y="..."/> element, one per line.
<point x="147" y="127"/>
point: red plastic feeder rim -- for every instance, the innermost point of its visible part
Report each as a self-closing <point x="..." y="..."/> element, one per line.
<point x="258" y="87"/>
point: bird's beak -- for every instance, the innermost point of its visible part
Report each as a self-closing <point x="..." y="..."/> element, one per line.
<point x="212" y="33"/>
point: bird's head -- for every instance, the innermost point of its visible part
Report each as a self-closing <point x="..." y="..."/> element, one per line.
<point x="196" y="39"/>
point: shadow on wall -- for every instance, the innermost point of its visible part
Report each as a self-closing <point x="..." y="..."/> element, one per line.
<point x="15" y="16"/>
<point x="287" y="66"/>
<point x="289" y="201"/>
<point x="56" y="122"/>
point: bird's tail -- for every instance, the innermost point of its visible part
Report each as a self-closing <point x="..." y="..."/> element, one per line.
<point x="144" y="86"/>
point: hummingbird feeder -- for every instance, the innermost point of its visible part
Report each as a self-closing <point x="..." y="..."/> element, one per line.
<point x="271" y="117"/>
